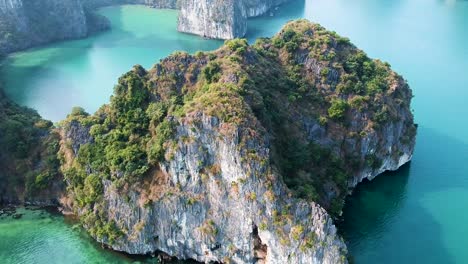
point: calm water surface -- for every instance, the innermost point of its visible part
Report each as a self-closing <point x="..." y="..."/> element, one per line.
<point x="41" y="236"/>
<point x="417" y="215"/>
<point x="54" y="78"/>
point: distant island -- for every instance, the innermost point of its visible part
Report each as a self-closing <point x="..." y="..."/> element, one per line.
<point x="243" y="154"/>
<point x="25" y="24"/>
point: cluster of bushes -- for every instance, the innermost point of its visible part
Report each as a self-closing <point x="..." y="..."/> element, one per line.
<point x="50" y="164"/>
<point x="132" y="134"/>
<point x="290" y="39"/>
<point x="347" y="80"/>
<point x="237" y="45"/>
<point x="358" y="74"/>
<point x="212" y="72"/>
<point x="101" y="229"/>
<point x="129" y="136"/>
<point x="29" y="149"/>
<point x="338" y="109"/>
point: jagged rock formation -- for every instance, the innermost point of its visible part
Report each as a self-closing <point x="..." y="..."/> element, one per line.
<point x="192" y="214"/>
<point x="213" y="19"/>
<point x="232" y="156"/>
<point x="221" y="19"/>
<point x="259" y="7"/>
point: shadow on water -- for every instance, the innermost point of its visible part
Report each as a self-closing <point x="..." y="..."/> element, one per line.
<point x="389" y="220"/>
<point x="388" y="193"/>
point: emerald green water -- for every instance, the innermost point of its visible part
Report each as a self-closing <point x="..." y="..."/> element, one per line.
<point x="54" y="78"/>
<point x="40" y="236"/>
<point x="416" y="215"/>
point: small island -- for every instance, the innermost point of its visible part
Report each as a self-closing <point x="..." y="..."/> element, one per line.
<point x="243" y="154"/>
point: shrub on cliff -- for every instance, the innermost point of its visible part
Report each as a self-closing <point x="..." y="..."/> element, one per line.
<point x="212" y="72"/>
<point x="237" y="45"/>
<point x="28" y="155"/>
<point x="337" y="109"/>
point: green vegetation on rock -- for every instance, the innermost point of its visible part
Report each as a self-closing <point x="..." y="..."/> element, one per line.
<point x="304" y="76"/>
<point x="299" y="108"/>
<point x="29" y="152"/>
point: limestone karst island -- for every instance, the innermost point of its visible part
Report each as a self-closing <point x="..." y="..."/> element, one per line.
<point x="233" y="131"/>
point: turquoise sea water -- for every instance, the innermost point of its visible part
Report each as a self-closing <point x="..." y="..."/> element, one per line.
<point x="420" y="214"/>
<point x="54" y="78"/>
<point x="416" y="215"/>
<point x="41" y="236"/>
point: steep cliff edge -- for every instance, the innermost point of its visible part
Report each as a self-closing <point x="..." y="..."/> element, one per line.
<point x="232" y="155"/>
<point x="213" y="19"/>
<point x="221" y="19"/>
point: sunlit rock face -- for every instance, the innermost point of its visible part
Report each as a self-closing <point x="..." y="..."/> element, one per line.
<point x="213" y="18"/>
<point x="221" y="19"/>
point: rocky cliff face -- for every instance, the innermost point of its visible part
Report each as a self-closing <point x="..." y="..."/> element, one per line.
<point x="221" y="19"/>
<point x="213" y="18"/>
<point x="233" y="215"/>
<point x="255" y="8"/>
<point x="25" y="24"/>
<point x="233" y="156"/>
<point x="209" y="203"/>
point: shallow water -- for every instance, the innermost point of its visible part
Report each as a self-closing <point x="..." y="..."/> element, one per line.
<point x="417" y="215"/>
<point x="41" y="236"/>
